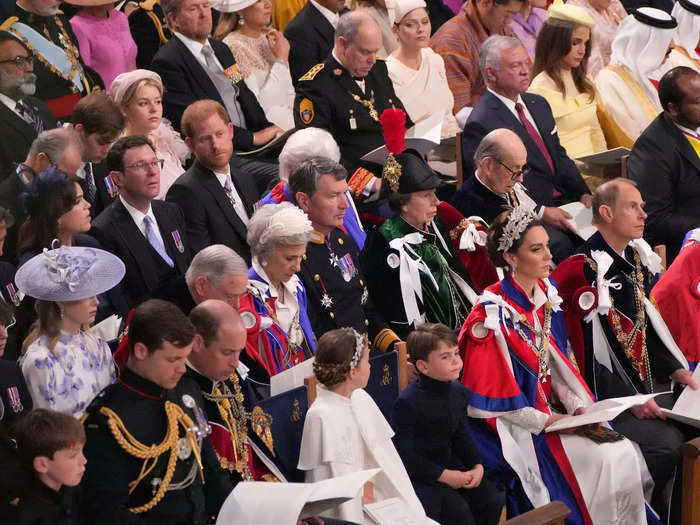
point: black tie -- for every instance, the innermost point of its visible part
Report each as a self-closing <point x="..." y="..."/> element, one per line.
<point x="90" y="188"/>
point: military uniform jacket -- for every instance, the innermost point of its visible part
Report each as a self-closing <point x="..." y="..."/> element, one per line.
<point x="15" y="400"/>
<point x="329" y="98"/>
<point x="50" y="85"/>
<point x="575" y="277"/>
<point x="140" y="404"/>
<point x="148" y="27"/>
<point x="336" y="291"/>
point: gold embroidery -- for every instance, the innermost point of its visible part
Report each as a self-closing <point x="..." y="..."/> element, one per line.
<point x="311" y="73"/>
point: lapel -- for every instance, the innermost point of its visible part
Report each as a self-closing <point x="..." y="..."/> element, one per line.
<point x="683" y="145"/>
<point x="12" y="120"/>
<point x="319" y="22"/>
<point x="344" y="79"/>
<point x="166" y="228"/>
<point x="134" y="240"/>
<point x="210" y="183"/>
<point x="199" y="75"/>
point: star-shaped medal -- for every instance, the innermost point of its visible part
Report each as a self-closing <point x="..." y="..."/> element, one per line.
<point x="333" y="260"/>
<point x="326" y="301"/>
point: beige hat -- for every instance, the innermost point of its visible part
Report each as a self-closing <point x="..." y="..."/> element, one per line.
<point x="231" y="6"/>
<point x="399" y="8"/>
<point x="570" y="13"/>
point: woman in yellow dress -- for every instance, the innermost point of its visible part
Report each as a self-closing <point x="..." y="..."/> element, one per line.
<point x="561" y="60"/>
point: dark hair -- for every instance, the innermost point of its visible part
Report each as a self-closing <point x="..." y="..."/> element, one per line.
<point x="306" y="176"/>
<point x="398" y="200"/>
<point x="6" y="313"/>
<point x="115" y="157"/>
<point x="44" y="432"/>
<point x="205" y="323"/>
<point x="157" y="321"/>
<point x="606" y="195"/>
<point x="51" y="194"/>
<point x="425" y="339"/>
<point x="553" y="44"/>
<point x="98" y="114"/>
<point x="669" y="90"/>
<point x="6" y="36"/>
<point x="7" y="217"/>
<point x="495" y="233"/>
<point x="334" y="353"/>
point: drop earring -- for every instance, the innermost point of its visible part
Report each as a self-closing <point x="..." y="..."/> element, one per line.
<point x="241" y="22"/>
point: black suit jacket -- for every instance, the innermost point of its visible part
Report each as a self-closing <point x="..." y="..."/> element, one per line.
<point x="490" y="113"/>
<point x="186" y="81"/>
<point x="310" y="37"/>
<point x="119" y="234"/>
<point x="667" y="172"/>
<point x="102" y="196"/>
<point x="209" y="215"/>
<point x="17" y="135"/>
<point x="473" y="198"/>
<point x="327" y="98"/>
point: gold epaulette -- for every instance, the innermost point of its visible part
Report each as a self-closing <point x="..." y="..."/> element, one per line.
<point x="7" y="24"/>
<point x="311" y="73"/>
<point x="384" y="339"/>
<point x="148" y="4"/>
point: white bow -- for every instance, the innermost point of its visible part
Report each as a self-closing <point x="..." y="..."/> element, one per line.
<point x="648" y="257"/>
<point x="603" y="261"/>
<point x="471" y="237"/>
<point x="553" y="296"/>
<point x="497" y="312"/>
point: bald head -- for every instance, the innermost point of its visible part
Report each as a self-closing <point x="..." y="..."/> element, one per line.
<point x="500" y="159"/>
<point x="357" y="41"/>
<point x="220" y="339"/>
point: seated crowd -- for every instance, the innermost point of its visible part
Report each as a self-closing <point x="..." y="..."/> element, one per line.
<point x="197" y="197"/>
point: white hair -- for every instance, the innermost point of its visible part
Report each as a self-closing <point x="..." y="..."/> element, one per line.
<point x="275" y="225"/>
<point x="304" y="144"/>
<point x="215" y="262"/>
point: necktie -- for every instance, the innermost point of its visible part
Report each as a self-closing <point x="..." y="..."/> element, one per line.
<point x="156" y="242"/>
<point x="228" y="189"/>
<point x="227" y="89"/>
<point x="30" y="116"/>
<point x="90" y="188"/>
<point x="534" y="134"/>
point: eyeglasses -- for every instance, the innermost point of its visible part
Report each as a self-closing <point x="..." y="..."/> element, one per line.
<point x="514" y="174"/>
<point x="144" y="165"/>
<point x="19" y="61"/>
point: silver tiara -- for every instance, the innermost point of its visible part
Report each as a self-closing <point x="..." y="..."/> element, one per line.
<point x="518" y="221"/>
<point x="359" y="348"/>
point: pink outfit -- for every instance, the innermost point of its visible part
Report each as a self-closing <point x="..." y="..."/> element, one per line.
<point x="106" y="44"/>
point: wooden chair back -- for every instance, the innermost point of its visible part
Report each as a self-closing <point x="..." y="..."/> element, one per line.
<point x="690" y="513"/>
<point x="553" y="513"/>
<point x="459" y="175"/>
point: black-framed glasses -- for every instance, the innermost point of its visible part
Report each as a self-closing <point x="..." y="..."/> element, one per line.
<point x="19" y="61"/>
<point x="514" y="174"/>
<point x="143" y="165"/>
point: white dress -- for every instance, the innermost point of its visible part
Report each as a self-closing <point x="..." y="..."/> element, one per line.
<point x="424" y="91"/>
<point x="67" y="378"/>
<point x="345" y="435"/>
<point x="268" y="78"/>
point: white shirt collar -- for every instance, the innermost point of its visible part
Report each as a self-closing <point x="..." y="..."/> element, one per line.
<point x="194" y="47"/>
<point x="694" y="132"/>
<point x="327" y="14"/>
<point x="508" y="102"/>
<point x="10" y="103"/>
<point x="478" y="178"/>
<point x="223" y="177"/>
<point x="138" y="215"/>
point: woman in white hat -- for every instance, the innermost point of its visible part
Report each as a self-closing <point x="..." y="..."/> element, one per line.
<point x="262" y="55"/>
<point x="139" y="95"/>
<point x="64" y="366"/>
<point x="417" y="72"/>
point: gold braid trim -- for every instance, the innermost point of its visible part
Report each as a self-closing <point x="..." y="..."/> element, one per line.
<point x="151" y="453"/>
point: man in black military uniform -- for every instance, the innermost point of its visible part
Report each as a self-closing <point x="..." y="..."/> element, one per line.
<point x="149" y="458"/>
<point x="149" y="30"/>
<point x="336" y="292"/>
<point x="62" y="78"/>
<point x="346" y="95"/>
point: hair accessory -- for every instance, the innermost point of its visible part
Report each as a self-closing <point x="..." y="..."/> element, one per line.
<point x="69" y="273"/>
<point x="33" y="200"/>
<point x="122" y="82"/>
<point x="570" y="13"/>
<point x="397" y="9"/>
<point x="394" y="128"/>
<point x="654" y="17"/>
<point x="360" y="342"/>
<point x="231" y="6"/>
<point x="518" y="221"/>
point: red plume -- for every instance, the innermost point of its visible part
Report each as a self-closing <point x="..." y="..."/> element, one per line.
<point x="394" y="127"/>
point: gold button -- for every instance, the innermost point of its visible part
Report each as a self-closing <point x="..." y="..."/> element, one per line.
<point x="332" y="315"/>
<point x="317" y="277"/>
<point x="366" y="322"/>
<point x="303" y="256"/>
<point x="340" y="241"/>
<point x="351" y="111"/>
<point x="361" y="283"/>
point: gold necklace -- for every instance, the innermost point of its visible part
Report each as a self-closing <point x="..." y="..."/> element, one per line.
<point x="369" y="104"/>
<point x="541" y="350"/>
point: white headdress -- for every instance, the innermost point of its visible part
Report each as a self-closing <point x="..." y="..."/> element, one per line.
<point x="518" y="221"/>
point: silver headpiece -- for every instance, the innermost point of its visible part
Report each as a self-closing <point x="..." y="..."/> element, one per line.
<point x="518" y="221"/>
<point x="359" y="348"/>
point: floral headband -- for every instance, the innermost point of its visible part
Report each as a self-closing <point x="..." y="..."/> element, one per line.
<point x="518" y="221"/>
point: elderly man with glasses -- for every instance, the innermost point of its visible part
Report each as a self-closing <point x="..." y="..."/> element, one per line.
<point x="22" y="116"/>
<point x="497" y="185"/>
<point x="147" y="234"/>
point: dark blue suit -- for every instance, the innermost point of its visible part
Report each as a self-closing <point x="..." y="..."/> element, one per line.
<point x="432" y="434"/>
<point x="473" y="198"/>
<point x="490" y="113"/>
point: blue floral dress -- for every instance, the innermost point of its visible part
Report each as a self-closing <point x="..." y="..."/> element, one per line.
<point x="70" y="376"/>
